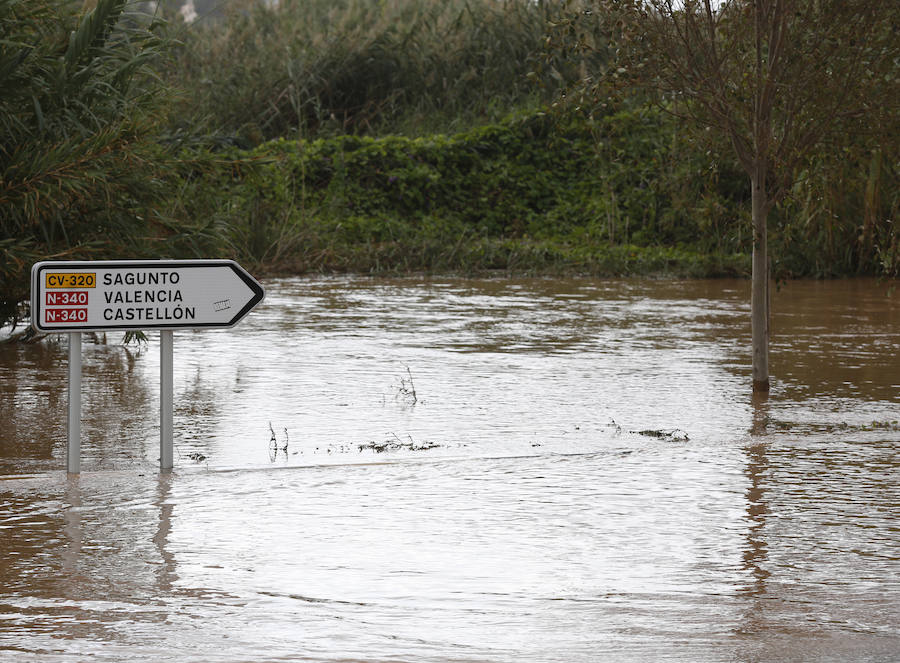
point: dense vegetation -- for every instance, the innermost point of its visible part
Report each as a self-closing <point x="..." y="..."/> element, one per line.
<point x="530" y="193"/>
<point x="82" y="173"/>
<point x="328" y="67"/>
<point x="382" y="137"/>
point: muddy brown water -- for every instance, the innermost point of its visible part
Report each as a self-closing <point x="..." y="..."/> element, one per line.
<point x="581" y="475"/>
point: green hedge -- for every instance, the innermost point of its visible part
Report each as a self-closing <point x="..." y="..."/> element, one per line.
<point x="534" y="192"/>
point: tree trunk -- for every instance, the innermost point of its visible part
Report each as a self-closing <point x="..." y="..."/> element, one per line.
<point x="759" y="294"/>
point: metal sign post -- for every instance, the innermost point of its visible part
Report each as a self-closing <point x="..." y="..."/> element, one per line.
<point x="166" y="400"/>
<point x="136" y="295"/>
<point x="73" y="436"/>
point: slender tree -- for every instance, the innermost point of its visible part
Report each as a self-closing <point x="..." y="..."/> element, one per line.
<point x="775" y="77"/>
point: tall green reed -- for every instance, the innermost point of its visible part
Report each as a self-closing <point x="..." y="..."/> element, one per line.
<point x="356" y="66"/>
<point x="79" y="167"/>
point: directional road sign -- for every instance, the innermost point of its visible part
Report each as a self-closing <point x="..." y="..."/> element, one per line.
<point x="140" y="294"/>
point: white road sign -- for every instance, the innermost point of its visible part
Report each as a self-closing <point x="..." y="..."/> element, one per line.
<point x="140" y="294"/>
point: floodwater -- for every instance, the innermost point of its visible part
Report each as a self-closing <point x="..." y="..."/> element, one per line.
<point x="497" y="470"/>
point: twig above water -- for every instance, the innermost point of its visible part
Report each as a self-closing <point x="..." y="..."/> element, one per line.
<point x="407" y="388"/>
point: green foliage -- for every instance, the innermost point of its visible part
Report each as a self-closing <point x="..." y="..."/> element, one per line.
<point x="531" y="193"/>
<point x="93" y="164"/>
<point x="800" y="93"/>
<point x="356" y="66"/>
<point x="839" y="218"/>
<point x="628" y="192"/>
<point x="78" y="167"/>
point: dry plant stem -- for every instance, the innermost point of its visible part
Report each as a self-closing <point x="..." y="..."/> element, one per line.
<point x="412" y="386"/>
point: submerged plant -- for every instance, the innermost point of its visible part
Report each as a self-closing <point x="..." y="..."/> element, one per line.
<point x="406" y="389"/>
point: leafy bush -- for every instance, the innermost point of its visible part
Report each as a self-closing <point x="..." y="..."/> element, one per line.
<point x="78" y="166"/>
<point x="840" y="216"/>
<point x="535" y="184"/>
<point x="357" y="66"/>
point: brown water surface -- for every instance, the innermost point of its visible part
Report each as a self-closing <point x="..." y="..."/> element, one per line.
<point x="580" y="475"/>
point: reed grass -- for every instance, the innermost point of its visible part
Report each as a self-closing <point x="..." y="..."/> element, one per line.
<point x="80" y="169"/>
<point x="316" y="67"/>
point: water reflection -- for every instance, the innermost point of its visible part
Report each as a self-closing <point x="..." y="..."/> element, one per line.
<point x="166" y="575"/>
<point x="117" y="409"/>
<point x="756" y="551"/>
<point x="28" y="399"/>
<point x="71" y="548"/>
<point x="539" y="511"/>
<point x="761" y="412"/>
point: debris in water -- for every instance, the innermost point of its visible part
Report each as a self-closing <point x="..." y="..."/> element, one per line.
<point x="669" y="435"/>
<point x="274" y="446"/>
<point x="674" y="435"/>
<point x="406" y="390"/>
<point x="273" y="440"/>
<point x="396" y="444"/>
<point x="614" y="427"/>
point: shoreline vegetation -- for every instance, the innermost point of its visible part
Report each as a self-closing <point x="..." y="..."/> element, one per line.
<point x="405" y="136"/>
<point x="529" y="194"/>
